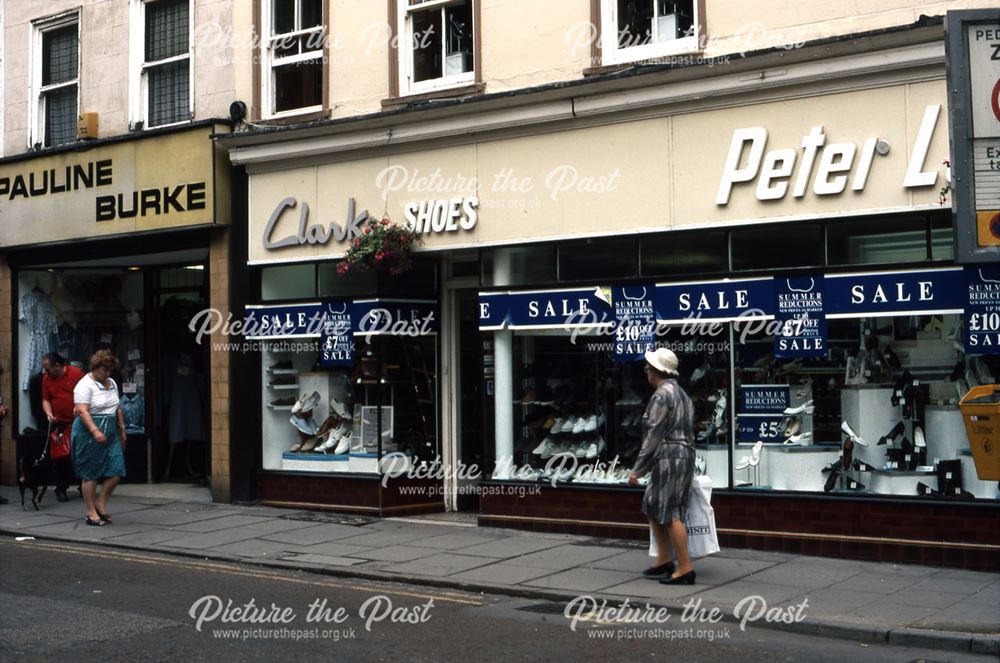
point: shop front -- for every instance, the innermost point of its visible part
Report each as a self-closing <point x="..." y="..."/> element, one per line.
<point x="111" y="247"/>
<point x="797" y="256"/>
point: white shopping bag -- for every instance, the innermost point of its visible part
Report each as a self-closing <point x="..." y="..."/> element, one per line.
<point x="703" y="540"/>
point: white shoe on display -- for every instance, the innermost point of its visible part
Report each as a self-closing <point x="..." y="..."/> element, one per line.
<point x="699" y="465"/>
<point x="330" y="439"/>
<point x="589" y="424"/>
<point x="339" y="409"/>
<point x="590" y="452"/>
<point x="720" y="410"/>
<point x="569" y="424"/>
<point x="919" y="441"/>
<point x="344" y="445"/>
<point x="557" y="426"/>
<point x="798" y="439"/>
<point x="581" y="425"/>
<point x="547" y="450"/>
<point x="542" y="446"/>
<point x="849" y="432"/>
<point x="807" y="408"/>
<point x="753" y="459"/>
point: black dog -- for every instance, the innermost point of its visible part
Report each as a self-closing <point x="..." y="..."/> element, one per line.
<point x="35" y="476"/>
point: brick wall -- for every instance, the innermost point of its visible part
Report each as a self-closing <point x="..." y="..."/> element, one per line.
<point x="219" y="361"/>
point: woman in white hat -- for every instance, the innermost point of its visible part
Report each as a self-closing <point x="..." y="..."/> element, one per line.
<point x="668" y="454"/>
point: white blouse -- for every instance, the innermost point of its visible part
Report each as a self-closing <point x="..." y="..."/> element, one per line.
<point x="102" y="400"/>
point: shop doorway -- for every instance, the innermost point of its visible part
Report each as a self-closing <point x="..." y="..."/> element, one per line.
<point x="180" y="416"/>
<point x="468" y="371"/>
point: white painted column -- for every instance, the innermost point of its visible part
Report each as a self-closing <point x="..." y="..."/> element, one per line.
<point x="503" y="362"/>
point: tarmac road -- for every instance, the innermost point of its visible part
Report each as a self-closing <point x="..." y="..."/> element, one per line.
<point x="72" y="602"/>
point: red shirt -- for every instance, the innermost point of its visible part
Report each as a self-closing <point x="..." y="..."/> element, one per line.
<point x="60" y="392"/>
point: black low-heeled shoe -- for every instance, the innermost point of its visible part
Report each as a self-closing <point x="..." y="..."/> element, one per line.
<point x="686" y="579"/>
<point x="666" y="567"/>
<point x="104" y="517"/>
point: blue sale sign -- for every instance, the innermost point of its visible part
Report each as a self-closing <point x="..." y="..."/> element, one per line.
<point x="763" y="427"/>
<point x="982" y="312"/>
<point x="635" y="322"/>
<point x="799" y="309"/>
<point x="764" y="398"/>
<point x="336" y="338"/>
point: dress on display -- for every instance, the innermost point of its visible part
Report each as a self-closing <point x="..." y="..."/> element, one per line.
<point x="40" y="317"/>
<point x="134" y="408"/>
<point x="182" y="388"/>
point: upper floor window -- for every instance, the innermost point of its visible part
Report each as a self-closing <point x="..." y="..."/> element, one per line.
<point x="164" y="75"/>
<point x="293" y="56"/>
<point x="647" y="29"/>
<point x="55" y="81"/>
<point x="437" y="46"/>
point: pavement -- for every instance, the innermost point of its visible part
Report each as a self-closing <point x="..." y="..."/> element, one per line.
<point x="868" y="602"/>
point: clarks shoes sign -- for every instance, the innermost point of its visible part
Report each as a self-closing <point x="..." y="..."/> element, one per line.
<point x="151" y="183"/>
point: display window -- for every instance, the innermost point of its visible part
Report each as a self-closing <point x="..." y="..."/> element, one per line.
<point x="75" y="313"/>
<point x="344" y="399"/>
<point x="840" y="383"/>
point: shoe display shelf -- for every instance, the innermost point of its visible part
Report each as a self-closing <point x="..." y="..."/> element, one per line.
<point x="898" y="482"/>
<point x="313" y="462"/>
<point x="791" y="467"/>
<point x="870" y="413"/>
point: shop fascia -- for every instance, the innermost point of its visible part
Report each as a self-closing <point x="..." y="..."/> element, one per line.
<point x="436" y="216"/>
<point x="837" y="162"/>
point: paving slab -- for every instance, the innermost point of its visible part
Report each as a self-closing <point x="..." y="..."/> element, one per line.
<point x="567" y="556"/>
<point x="397" y="553"/>
<point x="443" y="564"/>
<point x="878" y="584"/>
<point x="324" y="560"/>
<point x="171" y="518"/>
<point x="455" y="541"/>
<point x="628" y="560"/>
<point x="40" y="520"/>
<point x="647" y="588"/>
<point x="836" y="603"/>
<point x="967" y="585"/>
<point x="895" y="613"/>
<point x="205" y="540"/>
<point x="924" y="599"/>
<point x="77" y="529"/>
<point x="390" y="537"/>
<point x="802" y="573"/>
<point x="732" y="593"/>
<point x="314" y="534"/>
<point x="334" y="549"/>
<point x="509" y="547"/>
<point x="144" y="538"/>
<point x="986" y="596"/>
<point x="224" y="522"/>
<point x="501" y="573"/>
<point x="582" y="580"/>
<point x="256" y="548"/>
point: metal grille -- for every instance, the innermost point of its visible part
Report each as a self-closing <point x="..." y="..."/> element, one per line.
<point x="168" y="93"/>
<point x="166" y="29"/>
<point x="60" y="116"/>
<point x="59" y="54"/>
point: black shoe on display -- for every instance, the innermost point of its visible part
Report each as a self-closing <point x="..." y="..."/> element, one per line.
<point x="893" y="360"/>
<point x="831" y="481"/>
<point x="924" y="490"/>
<point x="895" y="432"/>
<point x="958" y="372"/>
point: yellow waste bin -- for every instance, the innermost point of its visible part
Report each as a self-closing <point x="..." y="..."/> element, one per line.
<point x="981" y="412"/>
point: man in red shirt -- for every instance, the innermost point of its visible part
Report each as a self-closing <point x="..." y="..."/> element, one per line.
<point x="58" y="383"/>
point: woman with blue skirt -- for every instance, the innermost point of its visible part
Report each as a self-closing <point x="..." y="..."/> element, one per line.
<point x="98" y="436"/>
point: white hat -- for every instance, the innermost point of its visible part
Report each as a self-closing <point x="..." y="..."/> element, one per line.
<point x="663" y="360"/>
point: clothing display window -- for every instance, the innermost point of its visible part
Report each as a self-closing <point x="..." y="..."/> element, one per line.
<point x="76" y="312"/>
<point x="341" y="404"/>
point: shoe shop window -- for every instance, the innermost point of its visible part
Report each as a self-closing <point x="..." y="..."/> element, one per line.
<point x="576" y="414"/>
<point x="876" y="414"/>
<point x="341" y="402"/>
<point x="634" y="30"/>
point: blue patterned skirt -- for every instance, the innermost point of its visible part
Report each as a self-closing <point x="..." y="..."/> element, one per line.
<point x="91" y="460"/>
<point x="666" y="496"/>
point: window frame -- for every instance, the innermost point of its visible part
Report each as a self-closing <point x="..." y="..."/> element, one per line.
<point x="404" y="49"/>
<point x="36" y="56"/>
<point x="268" y="62"/>
<point x="138" y="67"/>
<point x="611" y="54"/>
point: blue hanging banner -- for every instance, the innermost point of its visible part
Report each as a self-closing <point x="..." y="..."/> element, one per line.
<point x="982" y="312"/>
<point x="585" y="308"/>
<point x="635" y="322"/>
<point x="395" y="317"/>
<point x="277" y="322"/>
<point x="715" y="301"/>
<point x="799" y="307"/>
<point x="493" y="310"/>
<point x="336" y="340"/>
<point x="913" y="292"/>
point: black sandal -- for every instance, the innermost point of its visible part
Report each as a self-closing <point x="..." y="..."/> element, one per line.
<point x="95" y="523"/>
<point x="104" y="517"/>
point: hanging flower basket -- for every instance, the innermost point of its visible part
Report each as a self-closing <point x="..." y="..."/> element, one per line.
<point x="383" y="246"/>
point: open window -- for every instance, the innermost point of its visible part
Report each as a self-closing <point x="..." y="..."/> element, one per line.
<point x="648" y="29"/>
<point x="55" y="80"/>
<point x="436" y="45"/>
<point x="293" y="54"/>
